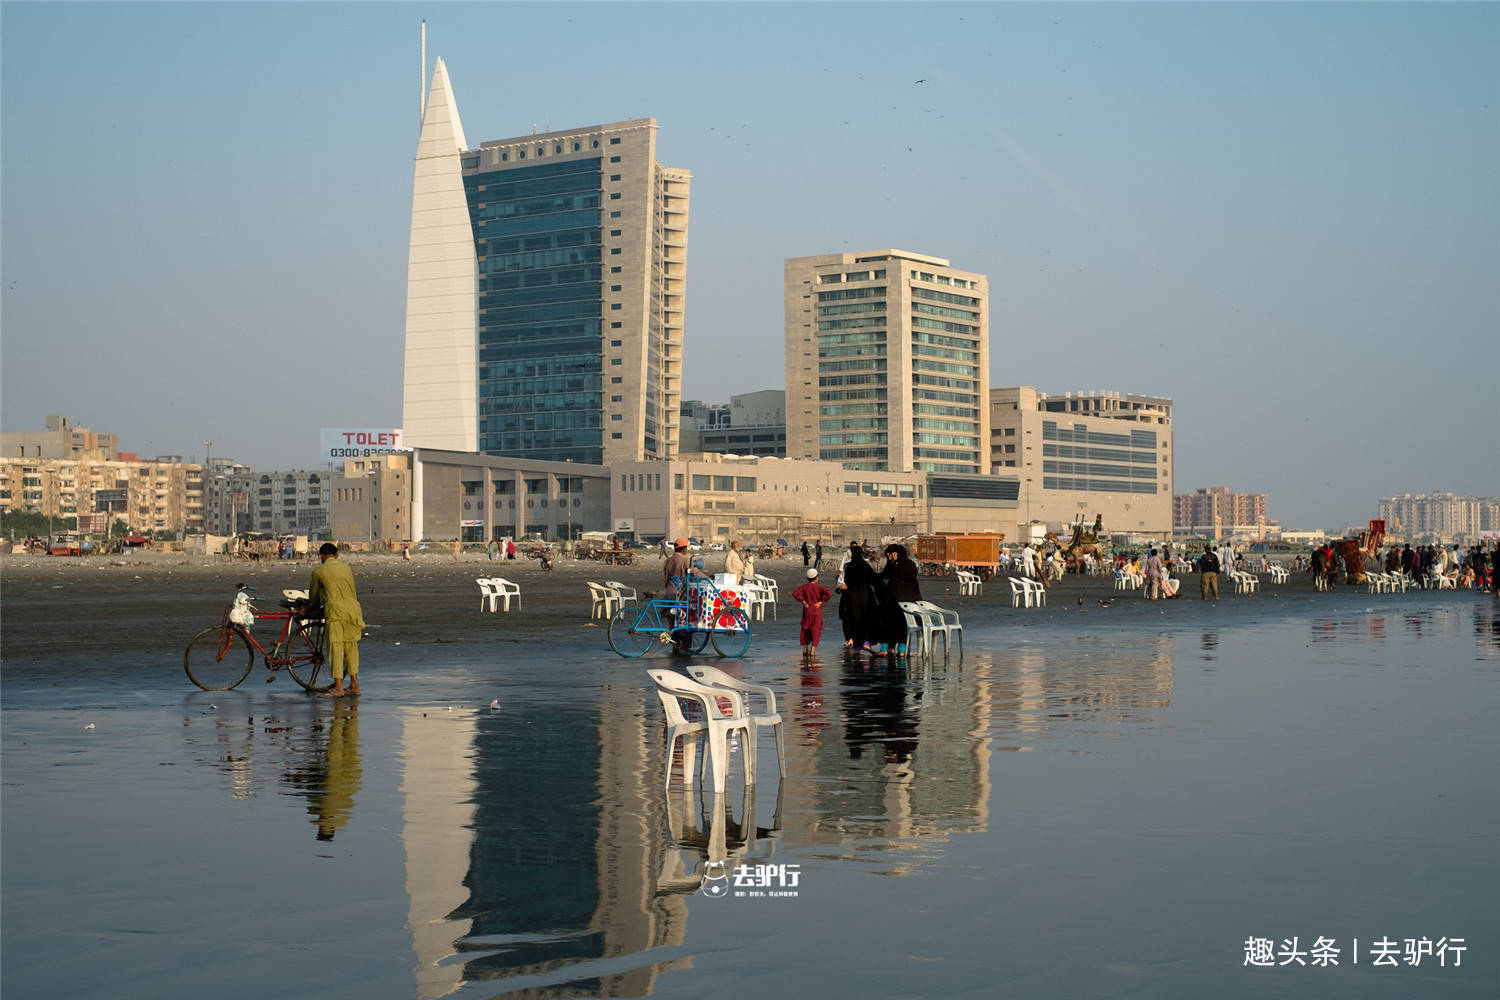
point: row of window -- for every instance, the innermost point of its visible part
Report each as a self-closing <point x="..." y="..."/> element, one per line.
<point x="1097" y="485"/>
<point x="870" y="292"/>
<point x="1097" y="469"/>
<point x="1098" y="454"/>
<point x="835" y="279"/>
<point x="943" y="279"/>
<point x="541" y="150"/>
<point x="1080" y="434"/>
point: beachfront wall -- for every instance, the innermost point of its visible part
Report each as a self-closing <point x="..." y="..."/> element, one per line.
<point x="757" y="500"/>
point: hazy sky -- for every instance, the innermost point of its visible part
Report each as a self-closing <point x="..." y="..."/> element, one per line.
<point x="1286" y="217"/>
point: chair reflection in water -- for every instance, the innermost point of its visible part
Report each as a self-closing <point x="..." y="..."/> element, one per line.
<point x="706" y="831"/>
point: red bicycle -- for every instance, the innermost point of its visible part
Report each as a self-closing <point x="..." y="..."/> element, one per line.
<point x="222" y="655"/>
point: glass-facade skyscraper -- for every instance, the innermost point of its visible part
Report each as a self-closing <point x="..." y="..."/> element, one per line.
<point x="575" y="244"/>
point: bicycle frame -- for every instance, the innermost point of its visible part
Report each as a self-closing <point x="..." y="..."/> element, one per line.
<point x="298" y="646"/>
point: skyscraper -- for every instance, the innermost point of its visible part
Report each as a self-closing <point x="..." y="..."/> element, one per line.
<point x="570" y="249"/>
<point x="887" y="362"/>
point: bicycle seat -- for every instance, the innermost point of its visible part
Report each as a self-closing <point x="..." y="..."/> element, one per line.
<point x="294" y="595"/>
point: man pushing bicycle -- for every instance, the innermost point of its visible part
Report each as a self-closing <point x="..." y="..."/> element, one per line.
<point x="332" y="591"/>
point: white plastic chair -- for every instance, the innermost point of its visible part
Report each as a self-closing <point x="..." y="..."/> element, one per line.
<point x="770" y="592"/>
<point x="916" y="625"/>
<point x="1021" y="593"/>
<point x="1122" y="580"/>
<point x="1378" y="583"/>
<point x="1443" y="581"/>
<point x="606" y="600"/>
<point x="754" y="599"/>
<point x="1246" y="583"/>
<point x="716" y="678"/>
<point x="679" y="727"/>
<point x="1279" y="573"/>
<point x="625" y="593"/>
<point x="488" y="596"/>
<point x="946" y="622"/>
<point x="504" y="591"/>
<point x="969" y="584"/>
<point x="719" y="723"/>
<point x="1038" y="592"/>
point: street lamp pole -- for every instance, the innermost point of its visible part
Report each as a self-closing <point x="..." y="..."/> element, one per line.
<point x="207" y="474"/>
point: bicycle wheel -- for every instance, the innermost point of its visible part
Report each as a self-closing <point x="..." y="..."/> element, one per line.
<point x="732" y="643"/>
<point x="632" y="632"/>
<point x="306" y="655"/>
<point x="218" y="658"/>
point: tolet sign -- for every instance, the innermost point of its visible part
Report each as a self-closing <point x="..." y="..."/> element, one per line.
<point x="339" y="443"/>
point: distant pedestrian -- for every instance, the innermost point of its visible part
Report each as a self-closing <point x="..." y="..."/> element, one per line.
<point x="806" y="554"/>
<point x="406" y="552"/>
<point x="1209" y="564"/>
<point x="1153" y="577"/>
<point x="818" y="555"/>
<point x="812" y="595"/>
<point x="510" y="549"/>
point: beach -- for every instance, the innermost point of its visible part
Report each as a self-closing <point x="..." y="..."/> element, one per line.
<point x="1108" y="798"/>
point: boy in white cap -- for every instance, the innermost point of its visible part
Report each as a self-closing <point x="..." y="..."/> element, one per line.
<point x="812" y="595"/>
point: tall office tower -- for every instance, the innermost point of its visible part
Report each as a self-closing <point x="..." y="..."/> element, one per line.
<point x="887" y="362"/>
<point x="578" y="246"/>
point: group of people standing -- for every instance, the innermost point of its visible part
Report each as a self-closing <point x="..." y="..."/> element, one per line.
<point x="870" y="599"/>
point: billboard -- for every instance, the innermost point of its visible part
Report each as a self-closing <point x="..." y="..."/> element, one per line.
<point x="339" y="443"/>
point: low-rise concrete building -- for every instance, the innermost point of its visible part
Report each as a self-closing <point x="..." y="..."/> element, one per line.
<point x="161" y="495"/>
<point x="1082" y="456"/>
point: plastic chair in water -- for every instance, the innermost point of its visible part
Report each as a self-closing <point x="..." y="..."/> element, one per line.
<point x="719" y="723"/>
<point x="716" y="678"/>
<point x="606" y="600"/>
<point x="1020" y="593"/>
<point x="969" y="584"/>
<point x="947" y="623"/>
<point x="916" y="625"/>
<point x="1279" y="573"/>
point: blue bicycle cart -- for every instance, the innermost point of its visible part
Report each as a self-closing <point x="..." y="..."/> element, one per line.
<point x="699" y="615"/>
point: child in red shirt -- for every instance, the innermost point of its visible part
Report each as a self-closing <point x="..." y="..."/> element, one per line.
<point x="812" y="595"/>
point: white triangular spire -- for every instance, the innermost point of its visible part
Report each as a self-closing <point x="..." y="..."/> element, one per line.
<point x="440" y="122"/>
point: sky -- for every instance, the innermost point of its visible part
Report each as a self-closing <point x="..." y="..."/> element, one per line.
<point x="1285" y="217"/>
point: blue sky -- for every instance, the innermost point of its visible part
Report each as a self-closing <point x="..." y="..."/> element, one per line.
<point x="1285" y="217"/>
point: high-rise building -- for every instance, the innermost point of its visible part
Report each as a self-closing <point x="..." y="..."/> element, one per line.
<point x="887" y="362"/>
<point x="545" y="292"/>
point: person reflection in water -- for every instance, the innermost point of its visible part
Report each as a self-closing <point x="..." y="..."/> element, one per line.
<point x="332" y="807"/>
<point x="876" y="714"/>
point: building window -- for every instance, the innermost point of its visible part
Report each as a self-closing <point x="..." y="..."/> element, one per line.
<point x="615" y="326"/>
<point x="614" y="159"/>
<point x="596" y="144"/>
<point x="616" y="399"/>
<point x="676" y="480"/>
<point x="617" y="435"/>
<point x="614" y="214"/>
<point x="614" y="177"/>
<point x="614" y="251"/>
<point x="614" y="232"/>
<point x="504" y="157"/>
<point x="615" y="380"/>
<point x="577" y="146"/>
<point x="615" y="269"/>
<point x="615" y="306"/>
<point x="614" y="343"/>
<point x="521" y="154"/>
<point x="615" y="362"/>
<point x="614" y="288"/>
<point x="617" y="416"/>
<point x="615" y="141"/>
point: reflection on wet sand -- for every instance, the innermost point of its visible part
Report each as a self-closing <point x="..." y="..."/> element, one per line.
<point x="549" y="858"/>
<point x="705" y="830"/>
<point x="533" y="853"/>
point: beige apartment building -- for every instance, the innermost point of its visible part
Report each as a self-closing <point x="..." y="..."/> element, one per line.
<point x="161" y="495"/>
<point x="1080" y="456"/>
<point x="61" y="439"/>
<point x="1440" y="517"/>
<point x="1216" y="512"/>
<point x="887" y="362"/>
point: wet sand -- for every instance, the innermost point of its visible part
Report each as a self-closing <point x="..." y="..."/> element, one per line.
<point x="151" y="604"/>
<point x="1093" y="802"/>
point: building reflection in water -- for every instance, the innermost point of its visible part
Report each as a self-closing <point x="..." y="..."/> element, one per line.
<point x="533" y="852"/>
<point x="548" y="859"/>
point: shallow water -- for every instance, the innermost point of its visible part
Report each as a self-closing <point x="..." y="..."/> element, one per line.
<point x="1062" y="812"/>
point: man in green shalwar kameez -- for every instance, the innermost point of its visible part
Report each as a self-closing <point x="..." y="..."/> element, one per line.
<point x="332" y="590"/>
